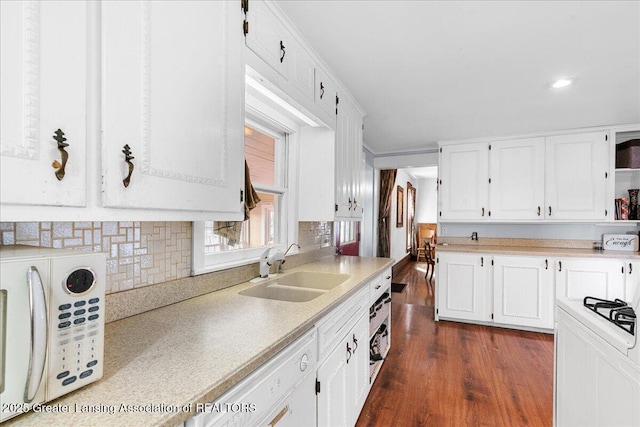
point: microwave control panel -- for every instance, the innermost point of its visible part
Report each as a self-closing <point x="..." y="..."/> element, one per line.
<point x="76" y="328"/>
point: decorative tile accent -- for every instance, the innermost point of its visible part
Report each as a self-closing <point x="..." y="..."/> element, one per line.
<point x="138" y="253"/>
<point x="315" y="235"/>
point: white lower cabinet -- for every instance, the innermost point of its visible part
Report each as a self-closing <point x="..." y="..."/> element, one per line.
<point x="595" y="384"/>
<point x="606" y="278"/>
<point x="523" y="291"/>
<point x="281" y="392"/>
<point x="462" y="288"/>
<point x="343" y="378"/>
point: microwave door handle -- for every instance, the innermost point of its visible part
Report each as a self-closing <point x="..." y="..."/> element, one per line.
<point x="39" y="333"/>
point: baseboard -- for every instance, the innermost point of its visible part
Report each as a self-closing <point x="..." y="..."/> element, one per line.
<point x="398" y="266"/>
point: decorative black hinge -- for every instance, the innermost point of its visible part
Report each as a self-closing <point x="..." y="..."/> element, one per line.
<point x="606" y="137"/>
<point x="489" y="180"/>
<point x="245" y="27"/>
<point x="336" y="207"/>
<point x="606" y="175"/>
<point x="491" y="262"/>
<point x="491" y="316"/>
<point x="437" y="310"/>
<point x="441" y="149"/>
<point x="245" y="6"/>
<point x="242" y="195"/>
<point x="337" y="102"/>
<point x="489" y="147"/>
<point x="317" y="387"/>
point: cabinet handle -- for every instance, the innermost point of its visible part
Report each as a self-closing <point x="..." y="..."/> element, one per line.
<point x="482" y="211"/>
<point x="355" y="343"/>
<point x="539" y="210"/>
<point x="378" y="287"/>
<point x="546" y="264"/>
<point x="481" y="261"/>
<point x="350" y="203"/>
<point x="355" y="204"/>
<point x="630" y="268"/>
<point x="348" y="352"/>
<point x="388" y="277"/>
<point x="279" y="416"/>
<point x="560" y="265"/>
<point x="283" y="51"/>
<point x="127" y="158"/>
<point x="321" y="90"/>
<point x="39" y="333"/>
<point x="549" y="210"/>
<point x="64" y="156"/>
<point x="622" y="269"/>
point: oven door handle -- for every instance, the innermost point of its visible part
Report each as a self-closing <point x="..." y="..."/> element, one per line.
<point x="39" y="333"/>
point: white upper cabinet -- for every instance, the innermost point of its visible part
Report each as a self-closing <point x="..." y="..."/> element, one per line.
<point x="173" y="92"/>
<point x="557" y="177"/>
<point x="464" y="177"/>
<point x="43" y="75"/>
<point x="302" y="71"/>
<point x="517" y="179"/>
<point x="577" y="168"/>
<point x="268" y="38"/>
<point x="348" y="162"/>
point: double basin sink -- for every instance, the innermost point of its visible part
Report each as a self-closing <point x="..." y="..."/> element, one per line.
<point x="301" y="286"/>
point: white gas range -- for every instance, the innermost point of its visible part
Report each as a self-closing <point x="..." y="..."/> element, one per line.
<point x="597" y="362"/>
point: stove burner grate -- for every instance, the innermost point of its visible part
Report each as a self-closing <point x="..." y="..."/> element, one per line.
<point x="619" y="312"/>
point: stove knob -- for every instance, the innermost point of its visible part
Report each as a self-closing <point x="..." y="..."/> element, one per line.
<point x="304" y="362"/>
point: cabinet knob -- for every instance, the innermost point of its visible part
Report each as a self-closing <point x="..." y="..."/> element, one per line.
<point x="127" y="158"/>
<point x="64" y="156"/>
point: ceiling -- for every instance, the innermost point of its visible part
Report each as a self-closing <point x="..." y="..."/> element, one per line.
<point x="426" y="71"/>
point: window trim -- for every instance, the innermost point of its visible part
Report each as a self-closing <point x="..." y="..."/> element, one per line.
<point x="287" y="153"/>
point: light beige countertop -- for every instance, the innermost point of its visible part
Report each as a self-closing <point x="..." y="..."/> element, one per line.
<point x="535" y="251"/>
<point x="193" y="351"/>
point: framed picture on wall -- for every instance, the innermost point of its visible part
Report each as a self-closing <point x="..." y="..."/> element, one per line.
<point x="400" y="207"/>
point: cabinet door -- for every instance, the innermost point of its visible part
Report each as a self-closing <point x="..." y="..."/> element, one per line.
<point x="359" y="364"/>
<point x="335" y="387"/>
<point x="577" y="167"/>
<point x="302" y="71"/>
<point x="268" y="38"/>
<point x="344" y="158"/>
<point x="325" y="93"/>
<point x="464" y="181"/>
<point x="577" y="278"/>
<point x="523" y="291"/>
<point x="517" y="179"/>
<point x="357" y="165"/>
<point x="461" y="289"/>
<point x="43" y="79"/>
<point x="173" y="91"/>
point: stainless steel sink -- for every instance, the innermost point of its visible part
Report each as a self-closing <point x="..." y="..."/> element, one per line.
<point x="301" y="286"/>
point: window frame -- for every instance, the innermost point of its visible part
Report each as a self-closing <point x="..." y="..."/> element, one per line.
<point x="286" y="152"/>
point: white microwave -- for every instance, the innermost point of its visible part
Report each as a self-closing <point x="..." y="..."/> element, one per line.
<point x="52" y="312"/>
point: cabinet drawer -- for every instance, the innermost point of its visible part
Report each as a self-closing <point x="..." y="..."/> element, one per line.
<point x="333" y="327"/>
<point x="376" y="288"/>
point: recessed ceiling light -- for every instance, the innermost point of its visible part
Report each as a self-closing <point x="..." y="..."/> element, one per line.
<point x="561" y="83"/>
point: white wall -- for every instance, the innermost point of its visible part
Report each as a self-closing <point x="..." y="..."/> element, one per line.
<point x="398" y="235"/>
<point x="426" y="201"/>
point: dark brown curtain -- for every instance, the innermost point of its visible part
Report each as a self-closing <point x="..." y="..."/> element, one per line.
<point x="387" y="182"/>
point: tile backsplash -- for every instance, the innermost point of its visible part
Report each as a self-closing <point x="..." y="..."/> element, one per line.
<point x="138" y="253"/>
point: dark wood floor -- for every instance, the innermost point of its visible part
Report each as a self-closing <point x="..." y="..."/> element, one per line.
<point x="454" y="374"/>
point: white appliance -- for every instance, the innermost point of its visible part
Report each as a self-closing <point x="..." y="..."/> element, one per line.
<point x="279" y="393"/>
<point x="597" y="362"/>
<point x="52" y="311"/>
